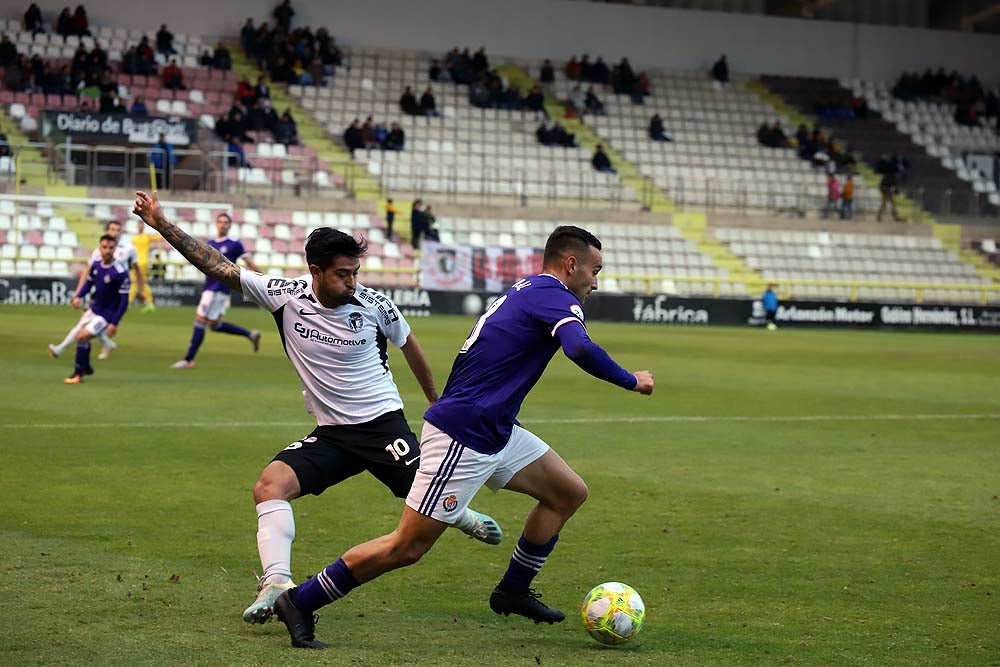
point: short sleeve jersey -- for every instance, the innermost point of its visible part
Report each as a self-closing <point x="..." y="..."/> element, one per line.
<point x="232" y="250"/>
<point x="340" y="354"/>
<point x="501" y="361"/>
<point x="110" y="282"/>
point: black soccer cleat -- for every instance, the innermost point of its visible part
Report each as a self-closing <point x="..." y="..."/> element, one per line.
<point x="524" y="604"/>
<point x="301" y="626"/>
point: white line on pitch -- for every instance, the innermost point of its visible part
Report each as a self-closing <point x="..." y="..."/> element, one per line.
<point x="555" y="420"/>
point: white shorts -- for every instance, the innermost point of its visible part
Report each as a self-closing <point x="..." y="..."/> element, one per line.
<point x="93" y="324"/>
<point x="451" y="474"/>
<point x="213" y="305"/>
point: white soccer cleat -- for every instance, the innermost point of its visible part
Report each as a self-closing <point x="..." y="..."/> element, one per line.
<point x="105" y="353"/>
<point x="183" y="363"/>
<point x="53" y="351"/>
<point x="263" y="607"/>
<point x="485" y="529"/>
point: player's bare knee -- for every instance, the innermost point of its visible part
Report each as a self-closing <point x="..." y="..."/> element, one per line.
<point x="276" y="482"/>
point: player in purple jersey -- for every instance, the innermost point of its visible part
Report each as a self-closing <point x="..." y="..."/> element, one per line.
<point x="215" y="296"/>
<point x="110" y="282"/>
<point x="471" y="438"/>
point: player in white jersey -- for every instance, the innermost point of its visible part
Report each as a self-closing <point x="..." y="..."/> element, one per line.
<point x="125" y="254"/>
<point x="335" y="332"/>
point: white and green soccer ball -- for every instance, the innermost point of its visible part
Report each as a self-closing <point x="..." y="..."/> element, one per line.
<point x="613" y="613"/>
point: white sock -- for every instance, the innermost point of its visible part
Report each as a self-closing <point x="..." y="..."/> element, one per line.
<point x="466" y="521"/>
<point x="107" y="342"/>
<point x="69" y="339"/>
<point x="275" y="533"/>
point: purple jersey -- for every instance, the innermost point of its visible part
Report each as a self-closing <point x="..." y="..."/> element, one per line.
<point x="232" y="250"/>
<point x="501" y="361"/>
<point x="110" y="284"/>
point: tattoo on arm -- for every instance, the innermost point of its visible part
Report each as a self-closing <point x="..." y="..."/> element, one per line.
<point x="204" y="257"/>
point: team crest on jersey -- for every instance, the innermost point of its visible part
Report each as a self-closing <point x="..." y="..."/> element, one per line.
<point x="222" y="249"/>
<point x="576" y="310"/>
<point x="107" y="279"/>
<point x="355" y="321"/>
<point x="450" y="503"/>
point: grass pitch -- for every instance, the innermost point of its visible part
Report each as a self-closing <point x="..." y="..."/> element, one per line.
<point x="785" y="498"/>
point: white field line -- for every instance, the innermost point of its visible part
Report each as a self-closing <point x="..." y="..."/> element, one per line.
<point x="707" y="419"/>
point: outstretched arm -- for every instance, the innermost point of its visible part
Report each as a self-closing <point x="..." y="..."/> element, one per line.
<point x="592" y="358"/>
<point x="202" y="256"/>
<point x="414" y="355"/>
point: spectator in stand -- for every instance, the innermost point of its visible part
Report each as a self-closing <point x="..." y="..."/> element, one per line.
<point x="263" y="117"/>
<point x="572" y="69"/>
<point x="656" y="130"/>
<point x="16" y="76"/>
<point x="245" y="93"/>
<point x="548" y="73"/>
<point x="8" y="52"/>
<point x="285" y="130"/>
<point x="578" y="100"/>
<point x="601" y="162"/>
<point x="847" y="199"/>
<point x="147" y="57"/>
<point x="436" y="73"/>
<point x="139" y="106"/>
<point x="368" y="137"/>
<point x="592" y="103"/>
<point x="600" y="73"/>
<point x="479" y="96"/>
<point x="248" y="37"/>
<point x="543" y="135"/>
<point x="396" y="141"/>
<point x="535" y="101"/>
<point x="261" y="91"/>
<point x="205" y="59"/>
<point x="238" y="157"/>
<point x="64" y="23"/>
<point x="164" y="159"/>
<point x="887" y="186"/>
<point x="165" y="41"/>
<point x="480" y="63"/>
<point x="643" y="85"/>
<point x="4" y="145"/>
<point x="430" y="231"/>
<point x="428" y="105"/>
<point x="390" y="218"/>
<point x="173" y="77"/>
<point x="772" y="136"/>
<point x="33" y="22"/>
<point x="561" y="137"/>
<point x="352" y="137"/>
<point x="720" y="70"/>
<point x="418" y="223"/>
<point x="408" y="103"/>
<point x="283" y="14"/>
<point x="381" y="134"/>
<point x="221" y="58"/>
<point x="80" y="25"/>
<point x="511" y="99"/>
<point x="832" y="196"/>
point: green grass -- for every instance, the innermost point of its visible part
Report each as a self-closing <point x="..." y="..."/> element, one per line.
<point x="774" y="531"/>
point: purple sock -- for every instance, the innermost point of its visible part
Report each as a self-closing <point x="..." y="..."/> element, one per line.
<point x="527" y="560"/>
<point x="82" y="362"/>
<point x="196" y="338"/>
<point x="331" y="584"/>
<point x="226" y="327"/>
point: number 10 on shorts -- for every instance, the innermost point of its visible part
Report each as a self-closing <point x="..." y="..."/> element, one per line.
<point x="397" y="449"/>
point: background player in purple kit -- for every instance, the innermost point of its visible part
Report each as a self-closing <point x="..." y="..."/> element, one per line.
<point x="471" y="438"/>
<point x="215" y="296"/>
<point x="109" y="280"/>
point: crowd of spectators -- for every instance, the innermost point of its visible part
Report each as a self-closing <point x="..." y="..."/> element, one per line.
<point x="426" y="106"/>
<point x="847" y="107"/>
<point x="972" y="102"/>
<point x="486" y="87"/>
<point x="422" y="221"/>
<point x="622" y="78"/>
<point x="555" y="135"/>
<point x="298" y="56"/>
<point x="371" y="135"/>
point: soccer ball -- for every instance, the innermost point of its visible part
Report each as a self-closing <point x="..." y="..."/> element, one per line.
<point x="613" y="613"/>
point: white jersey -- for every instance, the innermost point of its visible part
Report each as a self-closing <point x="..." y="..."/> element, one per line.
<point x="339" y="353"/>
<point x="124" y="253"/>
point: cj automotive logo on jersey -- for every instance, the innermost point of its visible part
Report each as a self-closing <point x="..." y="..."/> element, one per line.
<point x="318" y="336"/>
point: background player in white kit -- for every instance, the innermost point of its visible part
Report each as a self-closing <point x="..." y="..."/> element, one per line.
<point x="334" y="331"/>
<point x="125" y="254"/>
<point x="471" y="439"/>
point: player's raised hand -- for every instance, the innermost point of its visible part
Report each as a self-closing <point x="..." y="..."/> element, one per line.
<point x="147" y="207"/>
<point x="645" y="382"/>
